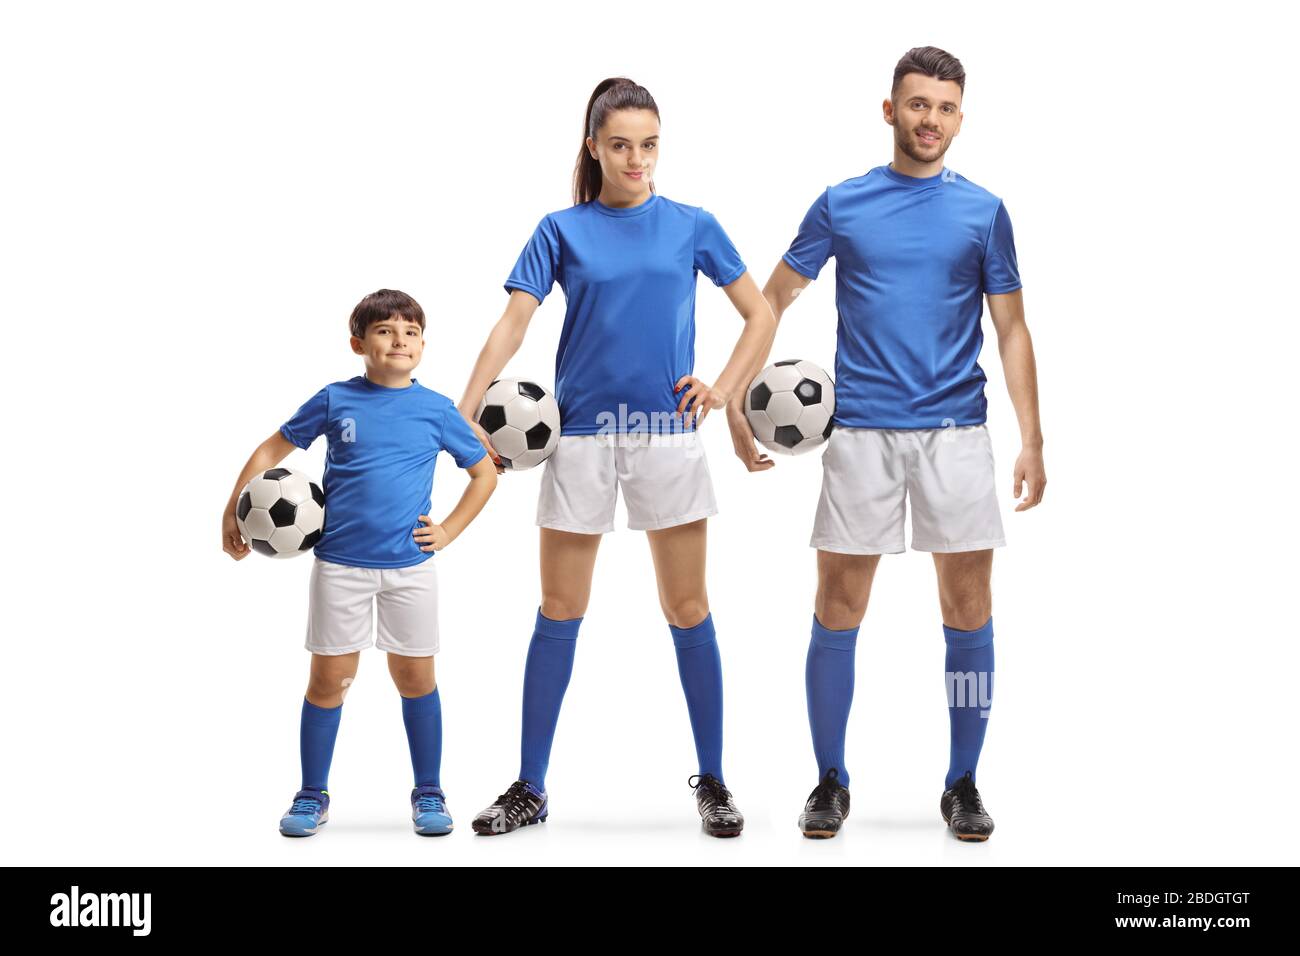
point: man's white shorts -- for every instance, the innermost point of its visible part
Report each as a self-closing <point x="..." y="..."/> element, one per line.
<point x="665" y="481"/>
<point x="341" y="602"/>
<point x="867" y="473"/>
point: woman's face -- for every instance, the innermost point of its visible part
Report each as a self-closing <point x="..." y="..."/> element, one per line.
<point x="627" y="147"/>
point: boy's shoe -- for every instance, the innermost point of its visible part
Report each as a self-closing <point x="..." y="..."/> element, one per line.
<point x="827" y="808"/>
<point x="429" y="811"/>
<point x="964" y="812"/>
<point x="718" y="812"/>
<point x="520" y="806"/>
<point x="309" y="811"/>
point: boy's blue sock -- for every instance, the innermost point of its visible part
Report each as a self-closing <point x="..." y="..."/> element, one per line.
<point x="700" y="668"/>
<point x="319" y="728"/>
<point x="546" y="677"/>
<point x="423" y="719"/>
<point x="828" y="683"/>
<point x="968" y="674"/>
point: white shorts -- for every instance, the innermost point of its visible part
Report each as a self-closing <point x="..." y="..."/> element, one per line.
<point x="947" y="472"/>
<point x="342" y="596"/>
<point x="664" y="477"/>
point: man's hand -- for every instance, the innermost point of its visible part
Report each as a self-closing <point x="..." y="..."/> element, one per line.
<point x="232" y="542"/>
<point x="432" y="538"/>
<point x="1029" y="471"/>
<point x="743" y="440"/>
<point x="704" y="397"/>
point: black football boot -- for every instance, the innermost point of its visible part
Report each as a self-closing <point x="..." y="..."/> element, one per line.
<point x="718" y="812"/>
<point x="964" y="812"/>
<point x="520" y="806"/>
<point x="827" y="808"/>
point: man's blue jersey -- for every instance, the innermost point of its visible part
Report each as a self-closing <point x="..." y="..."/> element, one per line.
<point x="913" y="260"/>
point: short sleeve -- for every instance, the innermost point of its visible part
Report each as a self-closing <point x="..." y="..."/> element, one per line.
<point x="1001" y="272"/>
<point x="459" y="440"/>
<point x="812" y="246"/>
<point x="715" y="255"/>
<point x="308" y="422"/>
<point x="537" y="267"/>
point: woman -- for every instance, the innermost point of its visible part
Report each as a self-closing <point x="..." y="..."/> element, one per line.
<point x="627" y="260"/>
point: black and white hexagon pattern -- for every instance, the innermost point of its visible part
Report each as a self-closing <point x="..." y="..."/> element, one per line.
<point x="281" y="513"/>
<point x="791" y="406"/>
<point x="522" y="420"/>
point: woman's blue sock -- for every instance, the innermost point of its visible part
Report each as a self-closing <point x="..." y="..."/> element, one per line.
<point x="700" y="668"/>
<point x="423" y="719"/>
<point x="546" y="677"/>
<point x="968" y="675"/>
<point x="828" y="682"/>
<point x="319" y="728"/>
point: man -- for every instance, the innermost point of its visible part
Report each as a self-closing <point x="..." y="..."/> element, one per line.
<point x="916" y="247"/>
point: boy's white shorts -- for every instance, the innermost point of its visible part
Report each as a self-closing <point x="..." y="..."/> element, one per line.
<point x="342" y="596"/>
<point x="664" y="477"/>
<point x="867" y="473"/>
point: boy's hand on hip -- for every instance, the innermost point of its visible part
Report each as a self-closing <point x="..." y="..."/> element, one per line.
<point x="434" y="537"/>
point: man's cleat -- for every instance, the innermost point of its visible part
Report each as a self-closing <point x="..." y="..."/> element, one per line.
<point x="429" y="811"/>
<point x="520" y="806"/>
<point x="964" y="812"/>
<point x="827" y="808"/>
<point x="309" y="811"/>
<point x="718" y="812"/>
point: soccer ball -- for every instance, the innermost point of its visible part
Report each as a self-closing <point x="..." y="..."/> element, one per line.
<point x="281" y="513"/>
<point x="522" y="420"/>
<point x="791" y="406"/>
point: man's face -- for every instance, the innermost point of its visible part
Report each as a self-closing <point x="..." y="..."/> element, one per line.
<point x="926" y="115"/>
<point x="392" y="345"/>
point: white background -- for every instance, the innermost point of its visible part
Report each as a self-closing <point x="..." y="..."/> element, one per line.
<point x="195" y="197"/>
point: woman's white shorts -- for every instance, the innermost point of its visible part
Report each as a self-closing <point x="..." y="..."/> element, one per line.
<point x="664" y="477"/>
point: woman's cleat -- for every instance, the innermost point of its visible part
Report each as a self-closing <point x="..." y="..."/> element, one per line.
<point x="429" y="811"/>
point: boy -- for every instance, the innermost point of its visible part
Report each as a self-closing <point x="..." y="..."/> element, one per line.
<point x="384" y="431"/>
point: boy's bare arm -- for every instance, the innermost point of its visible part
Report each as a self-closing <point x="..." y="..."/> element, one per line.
<point x="482" y="482"/>
<point x="267" y="455"/>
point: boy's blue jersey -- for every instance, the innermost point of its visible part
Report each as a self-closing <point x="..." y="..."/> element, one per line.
<point x="383" y="445"/>
<point x="628" y="277"/>
<point x="913" y="259"/>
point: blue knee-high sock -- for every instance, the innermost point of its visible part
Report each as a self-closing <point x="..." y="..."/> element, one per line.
<point x="546" y="676"/>
<point x="319" y="728"/>
<point x="828" y="682"/>
<point x="423" y="719"/>
<point x="700" y="668"/>
<point x="968" y="673"/>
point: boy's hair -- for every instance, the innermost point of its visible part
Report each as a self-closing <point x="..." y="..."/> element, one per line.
<point x="931" y="61"/>
<point x="382" y="305"/>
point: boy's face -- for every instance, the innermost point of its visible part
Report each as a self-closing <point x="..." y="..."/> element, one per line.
<point x="926" y="115"/>
<point x="392" y="346"/>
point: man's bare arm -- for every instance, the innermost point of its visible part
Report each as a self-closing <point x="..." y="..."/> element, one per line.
<point x="1017" y="351"/>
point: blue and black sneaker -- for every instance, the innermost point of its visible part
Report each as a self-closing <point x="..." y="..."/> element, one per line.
<point x="429" y="811"/>
<point x="520" y="806"/>
<point x="310" y="810"/>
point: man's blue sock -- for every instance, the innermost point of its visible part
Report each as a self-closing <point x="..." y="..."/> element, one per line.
<point x="546" y="677"/>
<point x="828" y="682"/>
<point x="700" y="669"/>
<point x="319" y="728"/>
<point x="423" y="719"/>
<point x="968" y="675"/>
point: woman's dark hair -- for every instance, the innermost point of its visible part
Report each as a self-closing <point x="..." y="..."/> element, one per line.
<point x="615" y="93"/>
<point x="382" y="305"/>
<point x="930" y="61"/>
